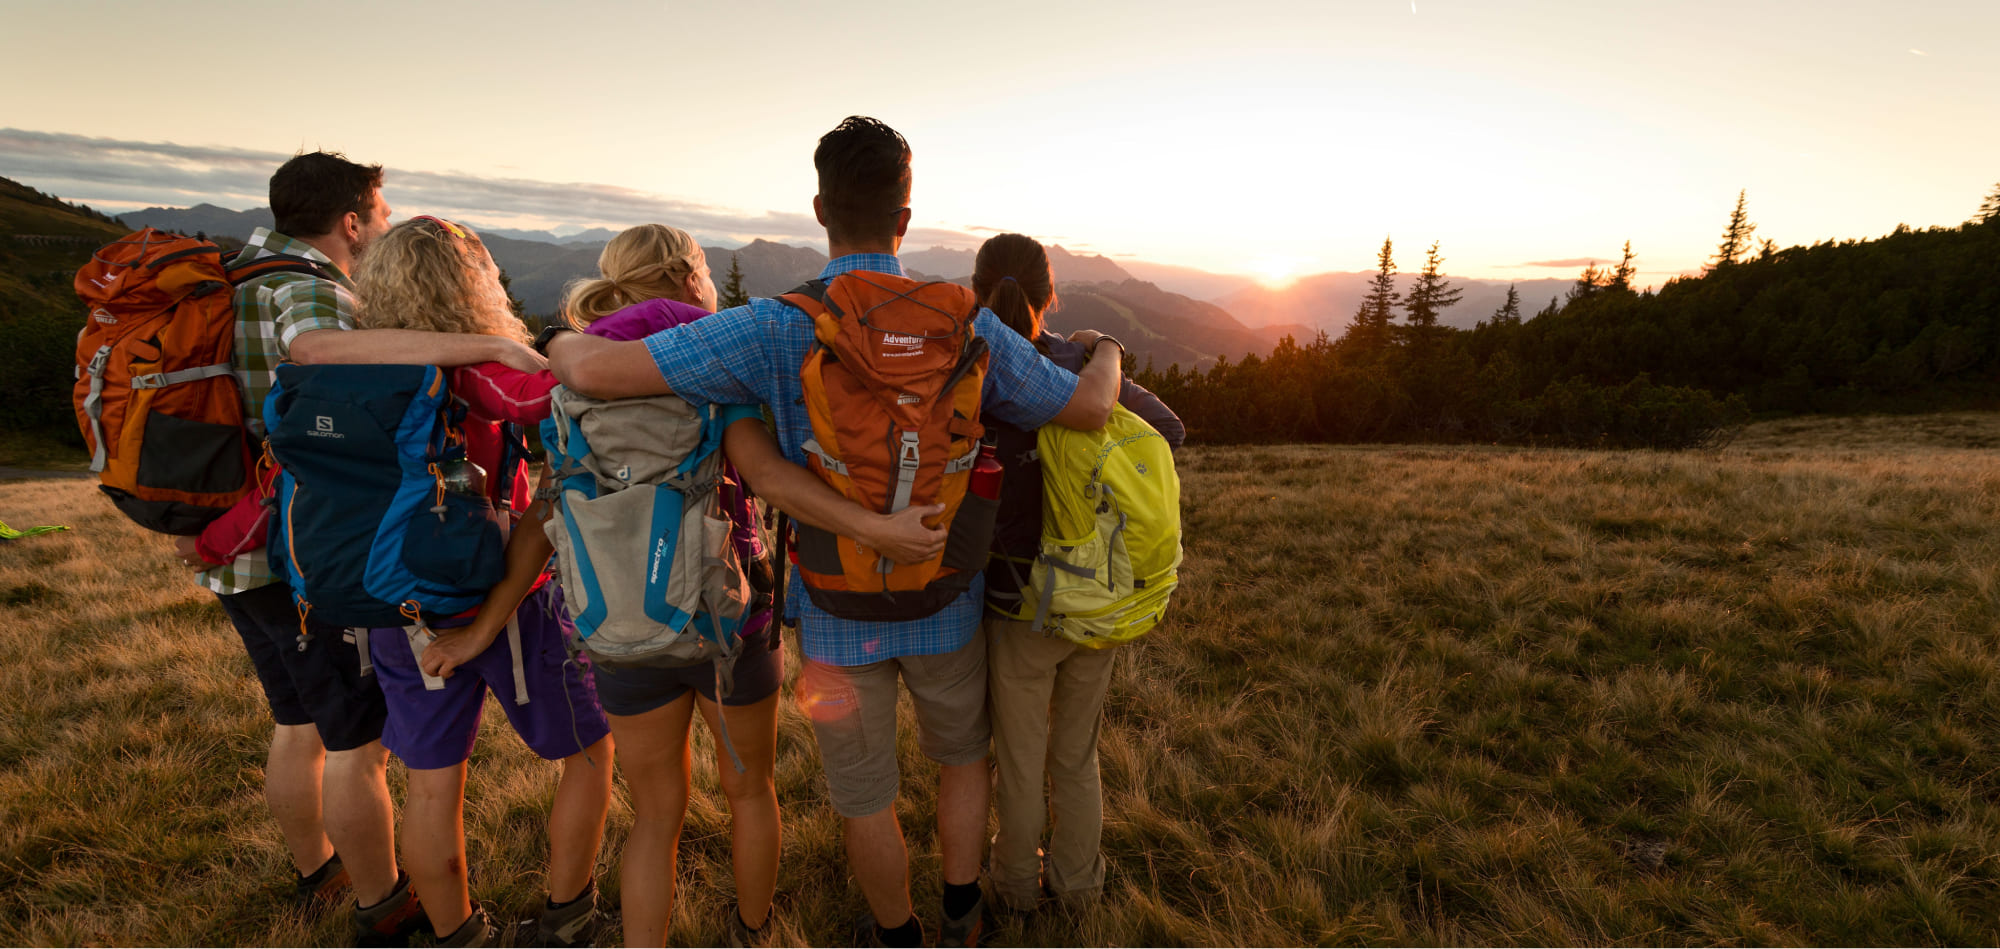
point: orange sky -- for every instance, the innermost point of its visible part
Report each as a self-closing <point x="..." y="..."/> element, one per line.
<point x="1263" y="138"/>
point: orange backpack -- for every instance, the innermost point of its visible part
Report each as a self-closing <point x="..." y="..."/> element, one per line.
<point x="892" y="388"/>
<point x="156" y="397"/>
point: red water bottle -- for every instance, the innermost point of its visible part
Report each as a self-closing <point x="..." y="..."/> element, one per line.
<point x="986" y="473"/>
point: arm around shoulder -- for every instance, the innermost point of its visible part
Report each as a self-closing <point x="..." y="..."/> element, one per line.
<point x="604" y="368"/>
<point x="1097" y="385"/>
<point x="411" y="347"/>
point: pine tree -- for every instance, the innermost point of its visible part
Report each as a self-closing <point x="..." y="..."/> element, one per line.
<point x="1621" y="279"/>
<point x="1369" y="332"/>
<point x="1431" y="295"/>
<point x="1509" y="313"/>
<point x="1989" y="209"/>
<point x="513" y="302"/>
<point x="1736" y="238"/>
<point x="732" y="294"/>
<point x="1588" y="282"/>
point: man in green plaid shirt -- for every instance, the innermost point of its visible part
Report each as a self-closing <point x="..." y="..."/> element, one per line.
<point x="326" y="776"/>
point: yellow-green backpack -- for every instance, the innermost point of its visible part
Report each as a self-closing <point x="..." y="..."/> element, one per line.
<point x="1111" y="532"/>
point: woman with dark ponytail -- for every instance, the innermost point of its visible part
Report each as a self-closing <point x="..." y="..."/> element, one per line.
<point x="1046" y="693"/>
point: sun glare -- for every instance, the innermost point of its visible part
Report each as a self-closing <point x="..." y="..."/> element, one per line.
<point x="1276" y="272"/>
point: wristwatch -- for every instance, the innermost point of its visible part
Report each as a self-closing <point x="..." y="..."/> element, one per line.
<point x="1092" y="351"/>
<point x="548" y="333"/>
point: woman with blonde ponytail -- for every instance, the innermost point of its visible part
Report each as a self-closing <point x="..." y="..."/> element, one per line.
<point x="648" y="262"/>
<point x="652" y="278"/>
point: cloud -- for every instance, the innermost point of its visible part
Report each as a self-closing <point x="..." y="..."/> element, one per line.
<point x="123" y="175"/>
<point x="1918" y="52"/>
<point x="1565" y="263"/>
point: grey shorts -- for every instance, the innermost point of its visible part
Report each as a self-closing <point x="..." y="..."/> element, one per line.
<point x="853" y="711"/>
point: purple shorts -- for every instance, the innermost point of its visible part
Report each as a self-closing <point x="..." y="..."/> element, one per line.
<point x="435" y="728"/>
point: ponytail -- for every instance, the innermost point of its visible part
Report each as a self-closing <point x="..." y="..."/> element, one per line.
<point x="589" y="299"/>
<point x="1011" y="276"/>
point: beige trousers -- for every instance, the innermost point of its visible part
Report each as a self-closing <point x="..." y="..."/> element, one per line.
<point x="1047" y="699"/>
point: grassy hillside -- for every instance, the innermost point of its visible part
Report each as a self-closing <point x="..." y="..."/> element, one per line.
<point x="1407" y="696"/>
<point x="42" y="243"/>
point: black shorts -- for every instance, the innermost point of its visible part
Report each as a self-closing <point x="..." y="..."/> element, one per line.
<point x="635" y="690"/>
<point x="322" y="685"/>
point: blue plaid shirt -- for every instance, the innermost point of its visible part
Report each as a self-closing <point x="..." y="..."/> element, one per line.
<point x="752" y="354"/>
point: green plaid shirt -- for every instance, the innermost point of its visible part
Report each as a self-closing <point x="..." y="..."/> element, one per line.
<point x="271" y="312"/>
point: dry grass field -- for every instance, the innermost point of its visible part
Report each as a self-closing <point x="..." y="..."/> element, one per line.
<point x="1408" y="695"/>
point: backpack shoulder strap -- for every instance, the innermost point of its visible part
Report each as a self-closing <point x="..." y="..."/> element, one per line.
<point x="810" y="297"/>
<point x="276" y="263"/>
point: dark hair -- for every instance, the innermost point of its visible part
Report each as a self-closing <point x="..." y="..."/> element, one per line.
<point x="864" y="179"/>
<point x="1012" y="278"/>
<point x="310" y="193"/>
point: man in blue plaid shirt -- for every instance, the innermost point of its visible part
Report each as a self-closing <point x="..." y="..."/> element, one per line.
<point x="752" y="354"/>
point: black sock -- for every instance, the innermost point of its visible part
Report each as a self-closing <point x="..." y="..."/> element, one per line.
<point x="402" y="881"/>
<point x="319" y="874"/>
<point x="960" y="898"/>
<point x="589" y="887"/>
<point x="911" y="933"/>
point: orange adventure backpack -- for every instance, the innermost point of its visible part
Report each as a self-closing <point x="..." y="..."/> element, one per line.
<point x="156" y="397"/>
<point x="892" y="387"/>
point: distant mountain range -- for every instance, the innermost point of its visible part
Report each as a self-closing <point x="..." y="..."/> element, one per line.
<point x="1182" y="314"/>
<point x="1327" y="301"/>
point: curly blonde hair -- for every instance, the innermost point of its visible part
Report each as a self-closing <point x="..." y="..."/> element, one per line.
<point x="641" y="263"/>
<point x="429" y="274"/>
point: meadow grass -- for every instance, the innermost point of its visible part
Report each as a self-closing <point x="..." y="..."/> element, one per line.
<point x="1406" y="695"/>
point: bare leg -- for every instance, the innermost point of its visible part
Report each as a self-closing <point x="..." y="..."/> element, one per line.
<point x="434" y="844"/>
<point x="292" y="773"/>
<point x="576" y="821"/>
<point x="881" y="864"/>
<point x="653" y="747"/>
<point x="753" y="801"/>
<point x="963" y="793"/>
<point x="361" y="821"/>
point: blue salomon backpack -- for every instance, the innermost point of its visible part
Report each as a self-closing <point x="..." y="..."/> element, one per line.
<point x="372" y="530"/>
<point x="649" y="575"/>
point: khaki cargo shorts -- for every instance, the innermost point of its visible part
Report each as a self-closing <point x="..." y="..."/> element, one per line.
<point x="853" y="711"/>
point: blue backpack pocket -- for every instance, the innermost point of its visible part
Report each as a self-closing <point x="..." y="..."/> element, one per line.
<point x="457" y="548"/>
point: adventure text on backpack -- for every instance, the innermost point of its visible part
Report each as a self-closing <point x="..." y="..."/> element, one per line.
<point x="1111" y="532"/>
<point x="649" y="574"/>
<point x="156" y="398"/>
<point x="892" y="388"/>
<point x="379" y="523"/>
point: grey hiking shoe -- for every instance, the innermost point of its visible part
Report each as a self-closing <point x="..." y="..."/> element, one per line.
<point x="575" y="923"/>
<point x="477" y="930"/>
<point x="394" y="920"/>
<point x="741" y="936"/>
<point x="971" y="929"/>
<point x="322" y="887"/>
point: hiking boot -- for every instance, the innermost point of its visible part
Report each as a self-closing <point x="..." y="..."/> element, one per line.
<point x="477" y="930"/>
<point x="394" y="920"/>
<point x="572" y="924"/>
<point x="971" y="929"/>
<point x="322" y="887"/>
<point x="739" y="935"/>
<point x="867" y="933"/>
